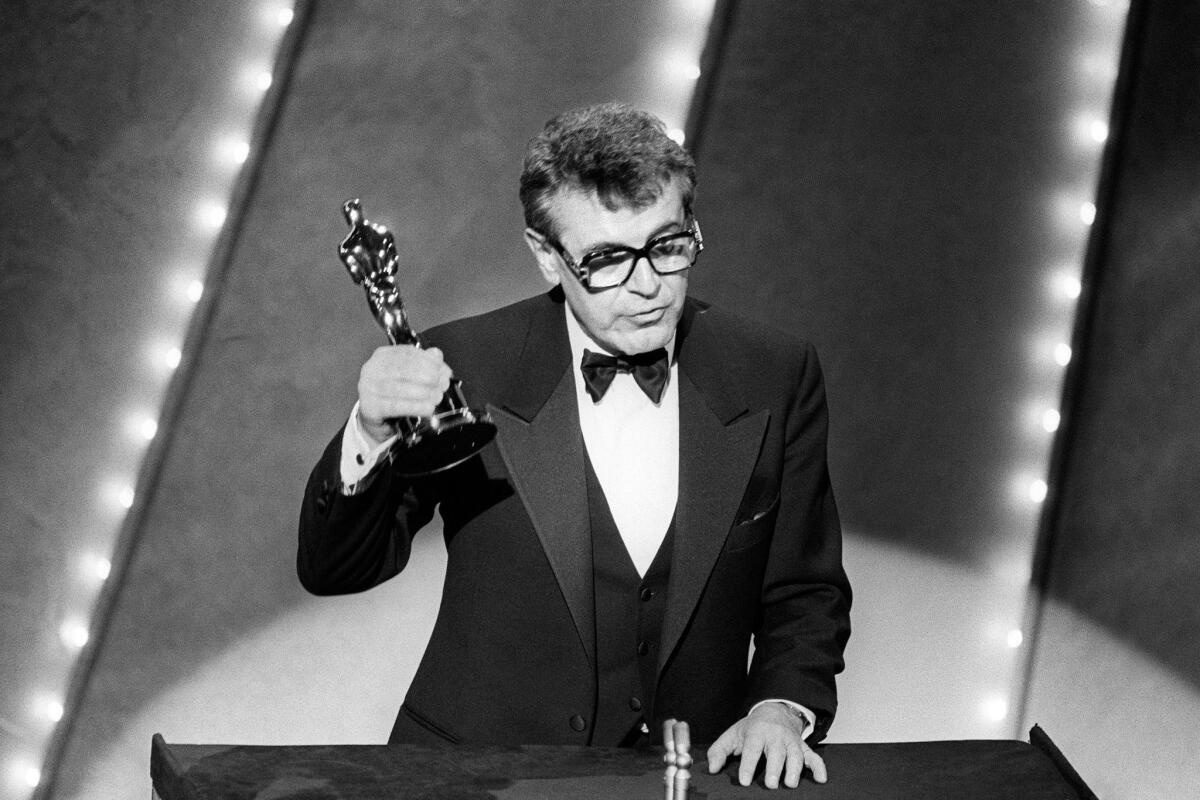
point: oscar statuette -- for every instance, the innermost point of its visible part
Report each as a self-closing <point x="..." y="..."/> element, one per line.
<point x="454" y="432"/>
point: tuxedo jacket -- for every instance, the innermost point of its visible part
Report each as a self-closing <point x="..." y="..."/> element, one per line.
<point x="756" y="556"/>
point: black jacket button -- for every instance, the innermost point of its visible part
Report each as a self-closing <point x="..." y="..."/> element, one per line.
<point x="646" y="594"/>
<point x="643" y="648"/>
<point x="635" y="704"/>
<point x="578" y="723"/>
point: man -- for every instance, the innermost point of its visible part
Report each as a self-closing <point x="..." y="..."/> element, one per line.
<point x="611" y="554"/>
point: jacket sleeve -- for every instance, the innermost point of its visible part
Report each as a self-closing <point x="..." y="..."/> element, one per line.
<point x="805" y="602"/>
<point x="349" y="543"/>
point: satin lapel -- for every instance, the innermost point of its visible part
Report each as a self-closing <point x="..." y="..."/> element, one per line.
<point x="543" y="449"/>
<point x="719" y="443"/>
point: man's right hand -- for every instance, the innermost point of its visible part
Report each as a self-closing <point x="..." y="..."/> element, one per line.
<point x="399" y="381"/>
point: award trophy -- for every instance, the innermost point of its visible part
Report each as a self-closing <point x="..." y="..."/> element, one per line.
<point x="455" y="432"/>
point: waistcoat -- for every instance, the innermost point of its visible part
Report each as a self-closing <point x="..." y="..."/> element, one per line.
<point x="629" y="616"/>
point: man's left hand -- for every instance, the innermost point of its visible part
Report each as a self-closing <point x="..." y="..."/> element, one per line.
<point x="774" y="732"/>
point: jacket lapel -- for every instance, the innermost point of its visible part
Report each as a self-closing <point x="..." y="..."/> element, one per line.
<point x="539" y="438"/>
<point x="719" y="442"/>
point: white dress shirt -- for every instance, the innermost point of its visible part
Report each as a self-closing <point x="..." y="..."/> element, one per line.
<point x="633" y="444"/>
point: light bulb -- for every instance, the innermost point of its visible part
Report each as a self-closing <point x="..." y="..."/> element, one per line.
<point x="96" y="566"/>
<point x="125" y="496"/>
<point x="233" y="151"/>
<point x="1067" y="285"/>
<point x="994" y="708"/>
<point x="50" y="708"/>
<point x="73" y="633"/>
<point x="147" y="428"/>
<point x="211" y="214"/>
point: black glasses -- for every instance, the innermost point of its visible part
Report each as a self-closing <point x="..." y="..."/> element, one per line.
<point x="609" y="268"/>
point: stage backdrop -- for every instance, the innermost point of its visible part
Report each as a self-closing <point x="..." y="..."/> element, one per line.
<point x="886" y="179"/>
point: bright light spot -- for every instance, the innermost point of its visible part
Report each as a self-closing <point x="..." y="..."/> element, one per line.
<point x="50" y="708"/>
<point x="97" y="566"/>
<point x="73" y="633"/>
<point x="1087" y="213"/>
<point x="172" y="357"/>
<point x="1098" y="130"/>
<point x="1067" y="285"/>
<point x="125" y="496"/>
<point x="676" y="134"/>
<point x="195" y="290"/>
<point x="994" y="708"/>
<point x="147" y="428"/>
<point x="284" y="17"/>
<point x="1015" y="638"/>
<point x="210" y="214"/>
<point x="1051" y="419"/>
<point x="25" y="774"/>
<point x="256" y="78"/>
<point x="684" y="67"/>
<point x="1038" y="490"/>
<point x="1062" y="354"/>
<point x="235" y="151"/>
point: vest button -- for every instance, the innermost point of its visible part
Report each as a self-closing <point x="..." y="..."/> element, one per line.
<point x="578" y="723"/>
<point x="635" y="704"/>
<point x="643" y="648"/>
<point x="646" y="594"/>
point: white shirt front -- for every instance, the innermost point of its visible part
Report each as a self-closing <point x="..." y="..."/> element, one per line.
<point x="633" y="444"/>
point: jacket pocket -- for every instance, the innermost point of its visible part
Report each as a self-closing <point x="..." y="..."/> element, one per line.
<point x="753" y="530"/>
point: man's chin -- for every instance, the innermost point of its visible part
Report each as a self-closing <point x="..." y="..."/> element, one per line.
<point x="646" y="339"/>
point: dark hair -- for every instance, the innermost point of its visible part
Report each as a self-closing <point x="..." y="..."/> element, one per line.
<point x="615" y="150"/>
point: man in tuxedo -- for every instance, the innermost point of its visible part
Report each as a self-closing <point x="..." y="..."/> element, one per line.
<point x="655" y="500"/>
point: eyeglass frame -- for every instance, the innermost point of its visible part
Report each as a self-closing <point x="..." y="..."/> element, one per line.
<point x="579" y="269"/>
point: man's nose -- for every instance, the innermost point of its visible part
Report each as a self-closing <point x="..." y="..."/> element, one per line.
<point x="644" y="279"/>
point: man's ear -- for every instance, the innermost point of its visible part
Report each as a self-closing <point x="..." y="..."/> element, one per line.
<point x="543" y="253"/>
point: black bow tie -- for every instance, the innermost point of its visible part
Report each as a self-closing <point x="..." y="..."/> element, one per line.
<point x="648" y="369"/>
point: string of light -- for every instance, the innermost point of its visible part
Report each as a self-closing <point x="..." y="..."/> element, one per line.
<point x="1086" y="131"/>
<point x="230" y="148"/>
<point x="675" y="64"/>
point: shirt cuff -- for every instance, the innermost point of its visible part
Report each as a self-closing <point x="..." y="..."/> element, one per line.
<point x="360" y="453"/>
<point x="810" y="718"/>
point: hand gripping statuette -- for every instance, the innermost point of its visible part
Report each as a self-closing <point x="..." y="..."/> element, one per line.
<point x="455" y="432"/>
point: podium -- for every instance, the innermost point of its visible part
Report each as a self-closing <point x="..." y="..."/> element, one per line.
<point x="978" y="770"/>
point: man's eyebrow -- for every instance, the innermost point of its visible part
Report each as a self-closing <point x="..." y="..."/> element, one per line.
<point x="661" y="230"/>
